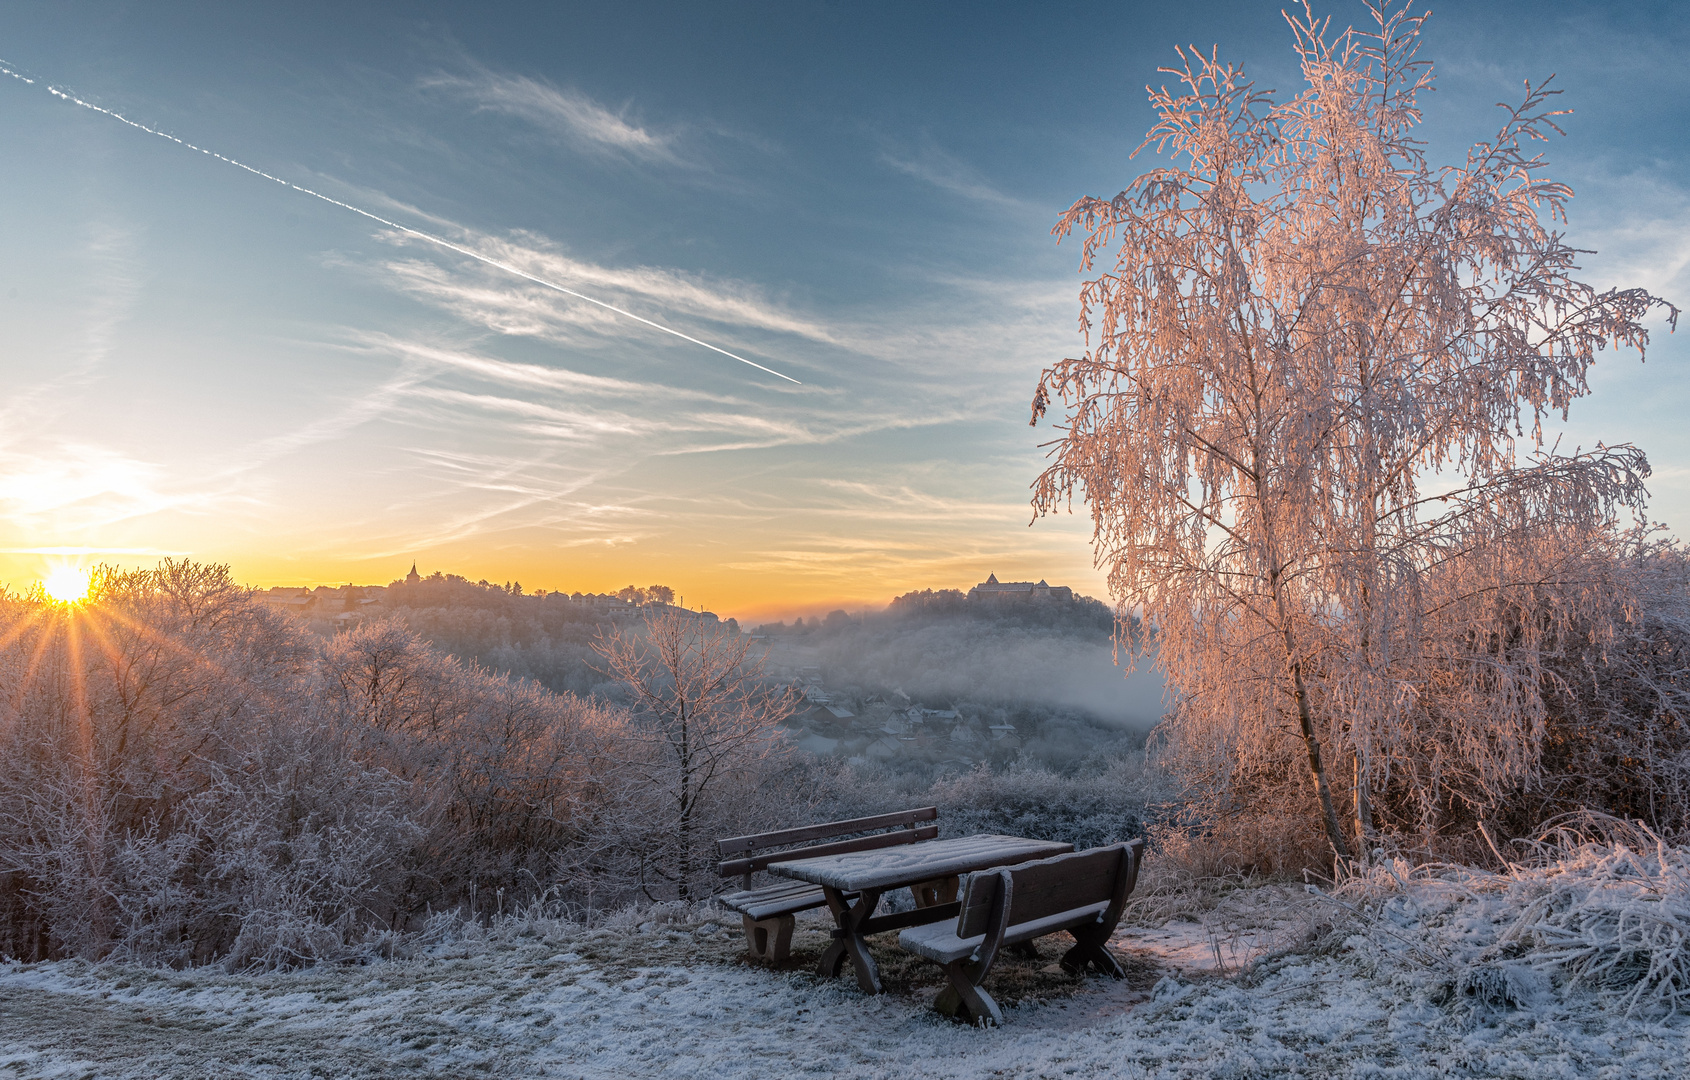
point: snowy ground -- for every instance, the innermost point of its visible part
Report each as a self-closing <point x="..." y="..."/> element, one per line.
<point x="675" y="1000"/>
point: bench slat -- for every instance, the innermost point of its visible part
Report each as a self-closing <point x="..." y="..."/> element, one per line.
<point x="842" y="847"/>
<point x="736" y="844"/>
<point x="775" y="891"/>
<point x="939" y="941"/>
<point x="783" y="898"/>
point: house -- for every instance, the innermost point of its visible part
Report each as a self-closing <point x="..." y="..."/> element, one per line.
<point x="287" y="598"/>
<point x="820" y="719"/>
<point x="884" y="748"/>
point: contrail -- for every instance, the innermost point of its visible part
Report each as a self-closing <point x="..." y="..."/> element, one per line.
<point x="418" y="233"/>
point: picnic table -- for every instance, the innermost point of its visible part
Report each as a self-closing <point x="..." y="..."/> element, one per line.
<point x="928" y="868"/>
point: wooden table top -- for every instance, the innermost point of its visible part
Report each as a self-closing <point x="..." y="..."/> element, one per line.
<point x="908" y="864"/>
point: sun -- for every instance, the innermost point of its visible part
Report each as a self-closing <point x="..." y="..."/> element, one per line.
<point x="67" y="584"/>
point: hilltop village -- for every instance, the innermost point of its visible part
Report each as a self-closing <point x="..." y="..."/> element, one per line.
<point x="344" y="604"/>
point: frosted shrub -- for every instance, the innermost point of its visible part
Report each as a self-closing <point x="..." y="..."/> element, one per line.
<point x="1604" y="909"/>
<point x="1086" y="811"/>
<point x="308" y="847"/>
<point x="114" y="716"/>
<point x="508" y="781"/>
<point x="187" y="776"/>
<point x="1615" y="918"/>
<point x="1193" y="864"/>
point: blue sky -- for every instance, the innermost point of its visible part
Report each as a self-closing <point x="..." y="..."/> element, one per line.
<point x="199" y="361"/>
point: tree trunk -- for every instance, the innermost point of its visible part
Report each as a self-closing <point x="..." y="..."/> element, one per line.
<point x="1299" y="692"/>
<point x="684" y="870"/>
<point x="1364" y="809"/>
<point x="1311" y="741"/>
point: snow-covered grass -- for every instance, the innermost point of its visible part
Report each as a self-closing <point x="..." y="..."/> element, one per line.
<point x="1617" y="919"/>
<point x="1610" y="916"/>
<point x="1395" y="973"/>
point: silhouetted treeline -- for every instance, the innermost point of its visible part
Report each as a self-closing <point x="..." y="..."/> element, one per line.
<point x="1083" y="618"/>
<point x="546" y="637"/>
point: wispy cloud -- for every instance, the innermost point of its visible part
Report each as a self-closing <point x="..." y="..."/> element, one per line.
<point x="1639" y="227"/>
<point x="584" y="446"/>
<point x="492" y="299"/>
<point x="563" y="112"/>
<point x="925" y="353"/>
<point x="532" y="376"/>
<point x="105" y="303"/>
<point x="72" y="487"/>
<point x="933" y="165"/>
<point x="379" y="400"/>
<point x="631" y="419"/>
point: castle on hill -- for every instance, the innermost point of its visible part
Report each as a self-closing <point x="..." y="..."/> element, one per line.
<point x="992" y="590"/>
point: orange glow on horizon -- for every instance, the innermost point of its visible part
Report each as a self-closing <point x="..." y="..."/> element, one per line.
<point x="751" y="596"/>
<point x="766" y="579"/>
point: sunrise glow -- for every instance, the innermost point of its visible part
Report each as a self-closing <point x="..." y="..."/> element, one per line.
<point x="67" y="584"/>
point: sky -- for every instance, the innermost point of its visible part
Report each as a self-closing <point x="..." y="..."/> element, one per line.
<point x="200" y="362"/>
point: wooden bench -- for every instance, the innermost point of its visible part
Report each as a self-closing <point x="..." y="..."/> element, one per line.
<point x="767" y="911"/>
<point x="1082" y="892"/>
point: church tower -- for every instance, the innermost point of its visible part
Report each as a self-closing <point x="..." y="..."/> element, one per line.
<point x="413" y="577"/>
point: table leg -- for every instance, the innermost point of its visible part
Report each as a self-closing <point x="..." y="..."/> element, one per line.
<point x="848" y="941"/>
<point x="933" y="893"/>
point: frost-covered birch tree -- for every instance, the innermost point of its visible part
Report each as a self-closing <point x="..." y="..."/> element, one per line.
<point x="1308" y="423"/>
<point x="702" y="713"/>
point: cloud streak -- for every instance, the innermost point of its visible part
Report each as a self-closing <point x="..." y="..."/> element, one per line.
<point x="565" y="113"/>
<point x="491" y="301"/>
<point x="950" y="174"/>
<point x="73" y="487"/>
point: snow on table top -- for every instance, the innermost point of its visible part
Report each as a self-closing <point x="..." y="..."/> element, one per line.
<point x="908" y="864"/>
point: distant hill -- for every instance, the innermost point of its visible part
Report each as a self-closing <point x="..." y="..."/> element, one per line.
<point x="542" y="636"/>
<point x="940" y="647"/>
<point x="1040" y="663"/>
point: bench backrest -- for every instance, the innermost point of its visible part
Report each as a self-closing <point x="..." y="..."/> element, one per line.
<point x="1047" y="887"/>
<point x="756" y="852"/>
